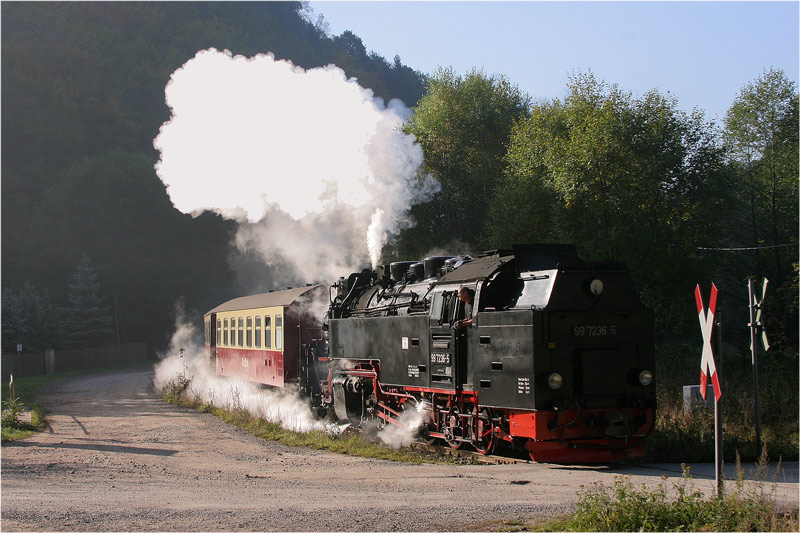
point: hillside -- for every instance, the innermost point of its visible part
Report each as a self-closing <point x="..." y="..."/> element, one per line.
<point x="83" y="98"/>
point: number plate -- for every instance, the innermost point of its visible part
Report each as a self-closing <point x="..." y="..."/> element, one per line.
<point x="592" y="331"/>
<point x="440" y="358"/>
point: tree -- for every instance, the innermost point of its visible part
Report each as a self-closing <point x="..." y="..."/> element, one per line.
<point x="85" y="320"/>
<point x="28" y="319"/>
<point x="761" y="135"/>
<point x="463" y="125"/>
<point x="624" y="178"/>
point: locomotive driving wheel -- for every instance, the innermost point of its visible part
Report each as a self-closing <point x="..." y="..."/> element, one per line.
<point x="485" y="435"/>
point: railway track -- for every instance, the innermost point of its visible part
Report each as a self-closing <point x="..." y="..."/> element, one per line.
<point x="467" y="454"/>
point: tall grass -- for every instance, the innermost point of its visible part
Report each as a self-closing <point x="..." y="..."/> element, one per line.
<point x="622" y="506"/>
<point x="689" y="437"/>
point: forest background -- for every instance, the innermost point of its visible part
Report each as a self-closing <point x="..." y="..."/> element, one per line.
<point x="94" y="252"/>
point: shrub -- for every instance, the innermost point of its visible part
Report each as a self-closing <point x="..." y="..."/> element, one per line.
<point x="12" y="409"/>
<point x="623" y="507"/>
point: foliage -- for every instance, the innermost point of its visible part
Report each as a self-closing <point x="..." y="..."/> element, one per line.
<point x="12" y="409"/>
<point x="15" y="429"/>
<point x="463" y="125"/>
<point x="29" y="319"/>
<point x="623" y="177"/>
<point x="623" y="507"/>
<point x="174" y="389"/>
<point x="761" y="135"/>
<point x="83" y="97"/>
<point x="86" y="321"/>
<point x="689" y="436"/>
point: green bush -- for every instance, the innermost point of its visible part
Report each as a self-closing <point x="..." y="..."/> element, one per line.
<point x="623" y="507"/>
<point x="12" y="409"/>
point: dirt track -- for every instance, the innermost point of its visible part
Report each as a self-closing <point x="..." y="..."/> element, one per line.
<point x="117" y="458"/>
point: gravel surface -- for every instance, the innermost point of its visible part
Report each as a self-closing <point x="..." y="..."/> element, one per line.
<point x="115" y="457"/>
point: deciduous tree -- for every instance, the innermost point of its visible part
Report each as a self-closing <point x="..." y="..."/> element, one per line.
<point x="761" y="135"/>
<point x="624" y="178"/>
<point x="463" y="125"/>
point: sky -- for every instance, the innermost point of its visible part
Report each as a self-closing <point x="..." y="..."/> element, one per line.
<point x="703" y="53"/>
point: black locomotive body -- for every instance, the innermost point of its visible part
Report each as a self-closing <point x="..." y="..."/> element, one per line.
<point x="558" y="359"/>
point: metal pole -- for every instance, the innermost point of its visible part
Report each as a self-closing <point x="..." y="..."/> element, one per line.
<point x="754" y="354"/>
<point x="719" y="467"/>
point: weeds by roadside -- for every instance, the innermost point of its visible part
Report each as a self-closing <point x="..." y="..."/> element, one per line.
<point x="621" y="506"/>
<point x="13" y="428"/>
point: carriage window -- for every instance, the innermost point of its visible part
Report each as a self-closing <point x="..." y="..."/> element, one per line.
<point x="219" y="331"/>
<point x="268" y="332"/>
<point x="278" y="332"/>
<point x="249" y="333"/>
<point x="257" y="332"/>
<point x="241" y="332"/>
<point x="225" y="333"/>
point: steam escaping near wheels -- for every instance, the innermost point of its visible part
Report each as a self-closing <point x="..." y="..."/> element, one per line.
<point x="185" y="367"/>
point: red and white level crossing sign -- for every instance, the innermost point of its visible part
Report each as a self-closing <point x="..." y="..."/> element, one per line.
<point x="707" y="365"/>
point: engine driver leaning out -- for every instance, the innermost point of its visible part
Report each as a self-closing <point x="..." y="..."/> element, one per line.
<point x="466" y="295"/>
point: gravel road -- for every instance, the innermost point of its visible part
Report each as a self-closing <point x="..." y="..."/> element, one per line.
<point x="116" y="457"/>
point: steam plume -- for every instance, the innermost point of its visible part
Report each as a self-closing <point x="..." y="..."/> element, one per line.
<point x="311" y="163"/>
<point x="185" y="359"/>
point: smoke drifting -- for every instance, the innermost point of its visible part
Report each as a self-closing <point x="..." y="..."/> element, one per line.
<point x="185" y="359"/>
<point x="312" y="164"/>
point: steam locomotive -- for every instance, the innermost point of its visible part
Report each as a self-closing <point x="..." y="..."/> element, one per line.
<point x="558" y="359"/>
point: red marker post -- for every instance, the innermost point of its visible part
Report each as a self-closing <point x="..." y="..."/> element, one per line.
<point x="709" y="367"/>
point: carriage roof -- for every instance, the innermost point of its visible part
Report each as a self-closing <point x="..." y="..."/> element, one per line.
<point x="267" y="299"/>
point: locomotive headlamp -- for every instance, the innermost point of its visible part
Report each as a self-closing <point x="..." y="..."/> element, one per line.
<point x="645" y="377"/>
<point x="596" y="287"/>
<point x="554" y="381"/>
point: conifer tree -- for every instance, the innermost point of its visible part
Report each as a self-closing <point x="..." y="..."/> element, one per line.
<point x="85" y="321"/>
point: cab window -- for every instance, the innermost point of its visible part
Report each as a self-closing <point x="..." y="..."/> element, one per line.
<point x="444" y="306"/>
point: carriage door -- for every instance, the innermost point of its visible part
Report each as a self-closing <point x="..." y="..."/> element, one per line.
<point x="448" y="366"/>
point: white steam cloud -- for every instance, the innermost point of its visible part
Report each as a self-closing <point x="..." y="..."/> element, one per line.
<point x="312" y="164"/>
<point x="185" y="361"/>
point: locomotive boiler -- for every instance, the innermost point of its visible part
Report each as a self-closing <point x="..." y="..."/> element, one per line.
<point x="557" y="359"/>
